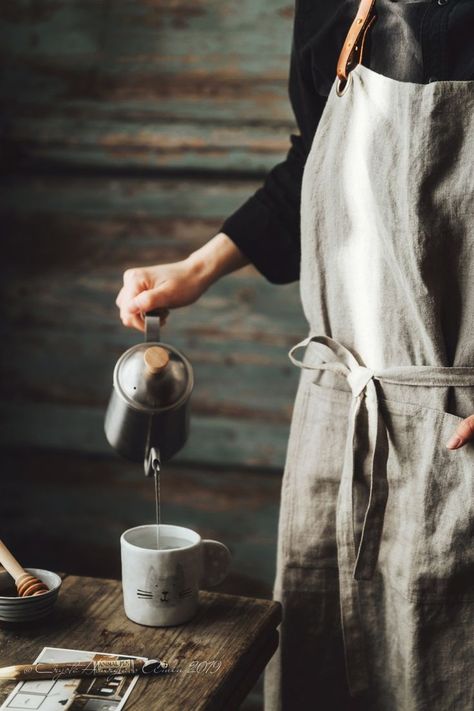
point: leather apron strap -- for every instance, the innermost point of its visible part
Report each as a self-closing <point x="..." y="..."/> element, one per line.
<point x="353" y="47"/>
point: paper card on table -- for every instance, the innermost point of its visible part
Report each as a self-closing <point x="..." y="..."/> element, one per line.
<point x="85" y="694"/>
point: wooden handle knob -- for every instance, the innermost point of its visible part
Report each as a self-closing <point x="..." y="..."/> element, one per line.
<point x="156" y="359"/>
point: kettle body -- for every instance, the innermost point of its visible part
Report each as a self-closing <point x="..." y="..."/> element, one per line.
<point x="149" y="408"/>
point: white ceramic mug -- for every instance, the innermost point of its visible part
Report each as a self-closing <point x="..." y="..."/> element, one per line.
<point x="161" y="586"/>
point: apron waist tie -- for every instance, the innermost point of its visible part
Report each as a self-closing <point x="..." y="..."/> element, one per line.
<point x="357" y="561"/>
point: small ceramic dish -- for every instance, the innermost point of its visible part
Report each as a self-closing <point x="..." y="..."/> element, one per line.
<point x="27" y="609"/>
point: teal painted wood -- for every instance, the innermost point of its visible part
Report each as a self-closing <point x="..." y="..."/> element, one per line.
<point x="217" y="441"/>
<point x="142" y="84"/>
<point x="92" y="500"/>
<point x="68" y="242"/>
<point x="234" y="378"/>
<point x="134" y="199"/>
<point x="139" y="85"/>
<point x="148" y="82"/>
<point x="158" y="145"/>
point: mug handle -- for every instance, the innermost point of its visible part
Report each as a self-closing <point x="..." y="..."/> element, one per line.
<point x="216" y="562"/>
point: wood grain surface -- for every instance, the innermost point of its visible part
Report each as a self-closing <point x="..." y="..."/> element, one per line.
<point x="235" y="635"/>
<point x="130" y="130"/>
<point x="147" y="82"/>
<point x="67" y="243"/>
<point x="77" y="505"/>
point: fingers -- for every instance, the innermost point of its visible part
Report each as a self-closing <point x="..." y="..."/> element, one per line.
<point x="120" y="297"/>
<point x="136" y="297"/>
<point x="134" y="321"/>
<point x="134" y="281"/>
<point x="151" y="299"/>
<point x="464" y="432"/>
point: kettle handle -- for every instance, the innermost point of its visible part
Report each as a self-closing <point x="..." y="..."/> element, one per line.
<point x="153" y="323"/>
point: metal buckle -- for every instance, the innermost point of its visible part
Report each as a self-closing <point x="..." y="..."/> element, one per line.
<point x="342" y="86"/>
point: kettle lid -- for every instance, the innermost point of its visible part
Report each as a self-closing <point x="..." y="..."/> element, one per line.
<point x="153" y="377"/>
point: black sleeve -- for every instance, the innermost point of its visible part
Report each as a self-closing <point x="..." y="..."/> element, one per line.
<point x="266" y="228"/>
<point x="405" y="46"/>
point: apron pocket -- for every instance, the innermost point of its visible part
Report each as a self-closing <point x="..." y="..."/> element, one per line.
<point x="426" y="549"/>
<point x="312" y="474"/>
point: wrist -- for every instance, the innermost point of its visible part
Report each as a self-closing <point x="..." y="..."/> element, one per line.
<point x="201" y="270"/>
<point x="214" y="259"/>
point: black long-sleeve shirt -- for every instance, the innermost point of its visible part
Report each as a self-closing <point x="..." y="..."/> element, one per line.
<point x="411" y="40"/>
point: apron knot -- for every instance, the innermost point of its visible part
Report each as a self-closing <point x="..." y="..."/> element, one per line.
<point x="358" y="378"/>
<point x="329" y="354"/>
<point x="357" y="560"/>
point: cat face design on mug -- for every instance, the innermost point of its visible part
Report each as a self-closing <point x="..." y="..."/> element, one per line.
<point x="165" y="591"/>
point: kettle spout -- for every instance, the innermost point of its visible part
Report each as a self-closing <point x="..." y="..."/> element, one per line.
<point x="152" y="462"/>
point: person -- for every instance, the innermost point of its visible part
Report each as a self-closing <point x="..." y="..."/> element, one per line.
<point x="372" y="210"/>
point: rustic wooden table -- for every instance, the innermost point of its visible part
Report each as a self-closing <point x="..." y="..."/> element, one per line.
<point x="218" y="656"/>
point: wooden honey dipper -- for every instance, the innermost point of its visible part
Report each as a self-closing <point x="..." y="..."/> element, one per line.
<point x="26" y="584"/>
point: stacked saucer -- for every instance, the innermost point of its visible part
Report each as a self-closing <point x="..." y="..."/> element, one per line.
<point x="27" y="609"/>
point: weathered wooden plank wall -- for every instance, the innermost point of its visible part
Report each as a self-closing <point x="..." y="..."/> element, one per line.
<point x="130" y="130"/>
<point x="68" y="242"/>
<point x="79" y="505"/>
<point x="157" y="83"/>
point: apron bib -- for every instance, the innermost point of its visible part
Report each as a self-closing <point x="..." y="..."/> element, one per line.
<point x="375" y="558"/>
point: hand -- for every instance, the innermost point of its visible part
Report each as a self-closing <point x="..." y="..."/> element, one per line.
<point x="464" y="433"/>
<point x="168" y="286"/>
<point x="158" y="287"/>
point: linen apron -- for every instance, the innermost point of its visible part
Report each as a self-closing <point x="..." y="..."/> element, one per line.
<point x="375" y="558"/>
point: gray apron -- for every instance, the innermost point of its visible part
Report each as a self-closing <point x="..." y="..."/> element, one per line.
<point x="375" y="557"/>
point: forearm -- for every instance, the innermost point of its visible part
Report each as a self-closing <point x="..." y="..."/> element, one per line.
<point x="218" y="257"/>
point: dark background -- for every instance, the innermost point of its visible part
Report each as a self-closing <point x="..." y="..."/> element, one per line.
<point x="130" y="130"/>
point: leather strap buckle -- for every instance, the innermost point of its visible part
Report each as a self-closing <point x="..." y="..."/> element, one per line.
<point x="353" y="47"/>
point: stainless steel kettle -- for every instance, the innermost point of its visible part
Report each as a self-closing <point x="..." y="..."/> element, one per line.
<point x="147" y="417"/>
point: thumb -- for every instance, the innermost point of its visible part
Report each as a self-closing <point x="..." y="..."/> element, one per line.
<point x="464" y="433"/>
<point x="149" y="300"/>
